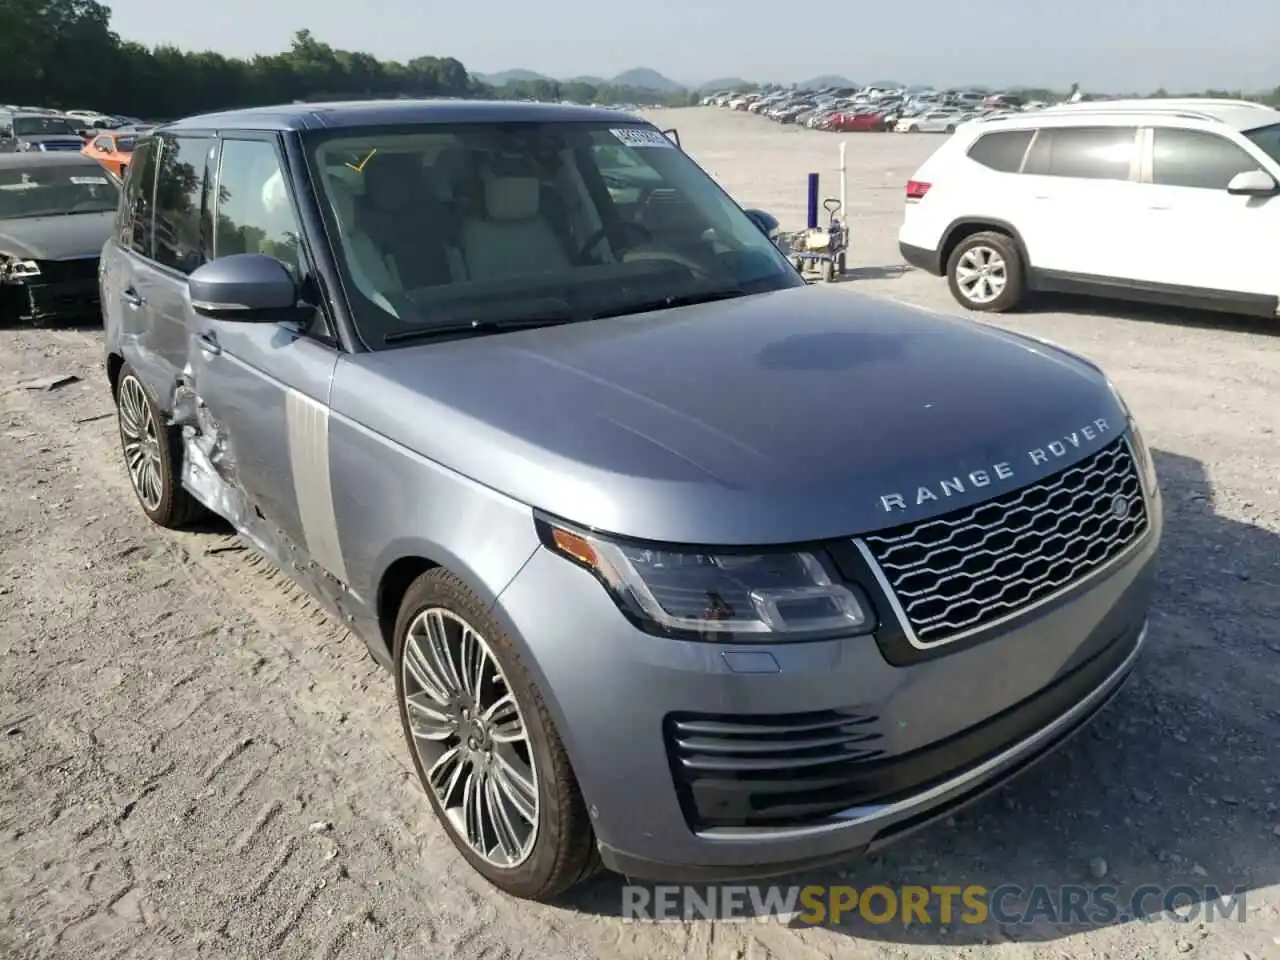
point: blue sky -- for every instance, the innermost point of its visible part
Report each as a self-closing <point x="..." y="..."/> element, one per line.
<point x="1107" y="45"/>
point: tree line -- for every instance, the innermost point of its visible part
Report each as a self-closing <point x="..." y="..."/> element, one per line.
<point x="64" y="54"/>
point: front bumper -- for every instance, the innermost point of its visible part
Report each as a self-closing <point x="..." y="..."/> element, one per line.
<point x="41" y="299"/>
<point x="947" y="727"/>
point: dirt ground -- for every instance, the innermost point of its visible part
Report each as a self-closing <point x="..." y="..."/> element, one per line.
<point x="195" y="762"/>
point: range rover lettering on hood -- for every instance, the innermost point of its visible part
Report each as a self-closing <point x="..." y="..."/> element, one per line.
<point x="1052" y="451"/>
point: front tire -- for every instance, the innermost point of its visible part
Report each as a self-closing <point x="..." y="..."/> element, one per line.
<point x="484" y="746"/>
<point x="985" y="273"/>
<point x="152" y="455"/>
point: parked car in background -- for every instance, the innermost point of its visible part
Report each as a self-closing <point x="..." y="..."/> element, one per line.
<point x="112" y="150"/>
<point x="642" y="606"/>
<point x="21" y="132"/>
<point x="933" y="121"/>
<point x="1172" y="201"/>
<point x="56" y="212"/>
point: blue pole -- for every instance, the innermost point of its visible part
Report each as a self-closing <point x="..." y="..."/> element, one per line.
<point x="813" y="201"/>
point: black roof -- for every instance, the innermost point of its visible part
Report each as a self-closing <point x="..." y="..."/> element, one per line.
<point x="369" y="113"/>
<point x="41" y="158"/>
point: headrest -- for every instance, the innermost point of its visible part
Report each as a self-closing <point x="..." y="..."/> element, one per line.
<point x="511" y="198"/>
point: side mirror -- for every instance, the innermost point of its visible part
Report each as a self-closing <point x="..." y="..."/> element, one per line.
<point x="1253" y="183"/>
<point x="767" y="222"/>
<point x="244" y="287"/>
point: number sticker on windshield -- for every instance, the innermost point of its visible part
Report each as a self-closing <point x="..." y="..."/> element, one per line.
<point x="640" y="137"/>
<point x="87" y="181"/>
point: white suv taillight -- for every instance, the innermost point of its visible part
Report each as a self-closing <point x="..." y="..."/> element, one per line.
<point x="916" y="190"/>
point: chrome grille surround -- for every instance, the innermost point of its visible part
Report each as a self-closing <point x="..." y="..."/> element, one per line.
<point x="954" y="575"/>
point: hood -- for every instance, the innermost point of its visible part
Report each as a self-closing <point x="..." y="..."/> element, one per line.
<point x="796" y="415"/>
<point x="56" y="238"/>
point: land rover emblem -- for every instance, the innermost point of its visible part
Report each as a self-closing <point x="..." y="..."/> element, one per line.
<point x="1120" y="507"/>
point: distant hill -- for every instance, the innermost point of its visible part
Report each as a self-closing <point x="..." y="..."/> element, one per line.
<point x="643" y="78"/>
<point x="827" y="80"/>
<point x="504" y="77"/>
<point x="726" y="83"/>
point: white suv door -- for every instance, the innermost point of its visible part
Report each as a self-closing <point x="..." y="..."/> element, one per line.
<point x="1195" y="233"/>
<point x="1082" y="200"/>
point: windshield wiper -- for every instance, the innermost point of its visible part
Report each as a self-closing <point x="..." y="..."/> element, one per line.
<point x="475" y="327"/>
<point x="672" y="300"/>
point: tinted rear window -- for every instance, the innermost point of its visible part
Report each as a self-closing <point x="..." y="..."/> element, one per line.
<point x="1085" y="153"/>
<point x="1001" y="151"/>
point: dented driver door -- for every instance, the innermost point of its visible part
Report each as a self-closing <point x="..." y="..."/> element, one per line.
<point x="259" y="392"/>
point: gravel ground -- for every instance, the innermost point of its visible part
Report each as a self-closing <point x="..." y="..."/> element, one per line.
<point x="197" y="762"/>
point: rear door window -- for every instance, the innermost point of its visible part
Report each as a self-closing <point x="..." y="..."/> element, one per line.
<point x="180" y="234"/>
<point x="1194" y="158"/>
<point x="1083" y="153"/>
<point x="1001" y="151"/>
<point x="136" y="207"/>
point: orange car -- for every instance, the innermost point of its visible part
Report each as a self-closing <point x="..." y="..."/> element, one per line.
<point x="112" y="150"/>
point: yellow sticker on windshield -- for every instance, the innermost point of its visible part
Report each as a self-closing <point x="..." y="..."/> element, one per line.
<point x="359" y="167"/>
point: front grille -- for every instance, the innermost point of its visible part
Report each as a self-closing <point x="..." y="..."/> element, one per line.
<point x="50" y="145"/>
<point x="768" y="770"/>
<point x="67" y="271"/>
<point x="965" y="570"/>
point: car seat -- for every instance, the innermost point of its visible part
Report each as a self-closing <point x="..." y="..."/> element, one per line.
<point x="510" y="236"/>
<point x="405" y="221"/>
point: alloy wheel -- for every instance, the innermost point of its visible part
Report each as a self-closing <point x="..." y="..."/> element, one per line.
<point x="141" y="443"/>
<point x="470" y="737"/>
<point x="981" y="274"/>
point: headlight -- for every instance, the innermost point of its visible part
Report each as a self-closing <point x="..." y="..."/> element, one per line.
<point x="12" y="268"/>
<point x="1146" y="465"/>
<point x="728" y="596"/>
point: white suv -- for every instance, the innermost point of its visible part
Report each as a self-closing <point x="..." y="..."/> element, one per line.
<point x="1167" y="201"/>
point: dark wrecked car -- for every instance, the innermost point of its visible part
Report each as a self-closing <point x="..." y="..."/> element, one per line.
<point x="56" y="212"/>
<point x="681" y="565"/>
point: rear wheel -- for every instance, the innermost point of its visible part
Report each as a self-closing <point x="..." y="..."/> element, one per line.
<point x="951" y="128"/>
<point x="985" y="273"/>
<point x="153" y="455"/>
<point x="484" y="746"/>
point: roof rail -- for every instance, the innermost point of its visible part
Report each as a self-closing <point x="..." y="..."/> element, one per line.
<point x="1118" y="112"/>
<point x="1162" y="103"/>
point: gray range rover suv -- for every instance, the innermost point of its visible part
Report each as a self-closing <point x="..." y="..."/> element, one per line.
<point x="681" y="565"/>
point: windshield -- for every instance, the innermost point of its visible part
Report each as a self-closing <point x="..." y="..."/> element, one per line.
<point x="53" y="191"/>
<point x="437" y="225"/>
<point x="1268" y="138"/>
<point x="40" y="126"/>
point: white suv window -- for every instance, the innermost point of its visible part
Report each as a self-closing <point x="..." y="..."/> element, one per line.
<point x="1001" y="151"/>
<point x="1085" y="153"/>
<point x="1194" y="158"/>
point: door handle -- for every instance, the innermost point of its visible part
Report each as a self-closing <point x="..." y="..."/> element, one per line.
<point x="132" y="297"/>
<point x="208" y="343"/>
<point x="1153" y="207"/>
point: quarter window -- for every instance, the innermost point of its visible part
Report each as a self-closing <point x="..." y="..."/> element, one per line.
<point x="1001" y="151"/>
<point x="254" y="214"/>
<point x="139" y="196"/>
<point x="1084" y="153"/>
<point x="180" y="240"/>
<point x="1193" y="158"/>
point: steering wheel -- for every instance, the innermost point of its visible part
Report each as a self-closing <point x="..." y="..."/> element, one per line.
<point x="615" y="232"/>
